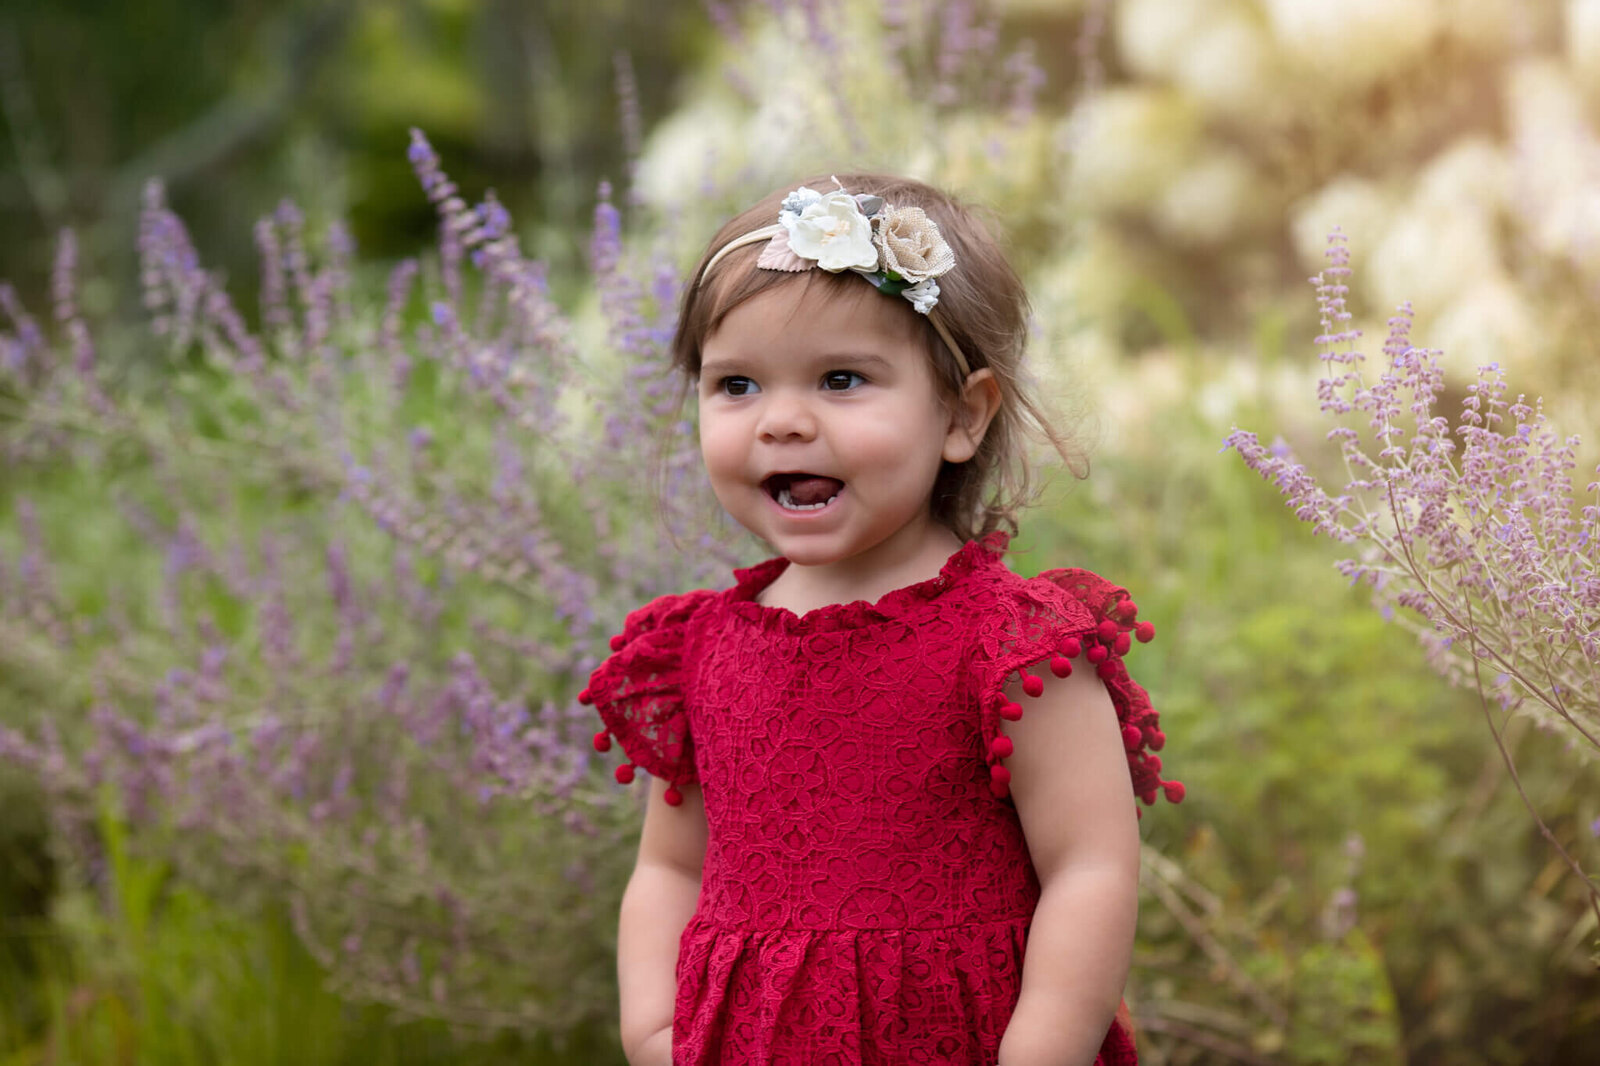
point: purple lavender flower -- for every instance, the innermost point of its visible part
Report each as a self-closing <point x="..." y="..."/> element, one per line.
<point x="1477" y="540"/>
<point x="370" y="632"/>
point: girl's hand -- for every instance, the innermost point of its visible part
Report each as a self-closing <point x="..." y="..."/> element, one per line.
<point x="656" y="1050"/>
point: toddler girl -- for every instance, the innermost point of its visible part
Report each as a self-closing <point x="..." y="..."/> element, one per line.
<point x="891" y="817"/>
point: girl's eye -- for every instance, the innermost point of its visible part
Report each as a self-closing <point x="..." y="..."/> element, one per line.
<point x="841" y="380"/>
<point x="737" y="386"/>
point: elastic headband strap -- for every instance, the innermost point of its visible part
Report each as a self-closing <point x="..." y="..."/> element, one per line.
<point x="755" y="236"/>
<point x="766" y="233"/>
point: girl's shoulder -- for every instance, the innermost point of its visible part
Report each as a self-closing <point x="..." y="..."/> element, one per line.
<point x="1060" y="621"/>
<point x="639" y="690"/>
<point x="667" y="614"/>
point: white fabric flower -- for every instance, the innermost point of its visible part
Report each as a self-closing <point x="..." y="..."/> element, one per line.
<point x="923" y="295"/>
<point x="832" y="230"/>
<point x="797" y="202"/>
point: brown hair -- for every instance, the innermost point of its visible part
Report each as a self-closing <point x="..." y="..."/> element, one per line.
<point x="981" y="302"/>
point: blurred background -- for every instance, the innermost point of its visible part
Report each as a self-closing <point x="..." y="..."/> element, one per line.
<point x="306" y="544"/>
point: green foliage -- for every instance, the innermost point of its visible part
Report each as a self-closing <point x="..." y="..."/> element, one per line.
<point x="1322" y="756"/>
<point x="313" y="101"/>
<point x="1298" y="718"/>
<point x="144" y="968"/>
<point x="1343" y="1008"/>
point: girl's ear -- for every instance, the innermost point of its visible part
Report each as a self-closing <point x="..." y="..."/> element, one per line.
<point x="973" y="410"/>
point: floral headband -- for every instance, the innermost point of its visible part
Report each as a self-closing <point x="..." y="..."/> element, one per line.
<point x="899" y="250"/>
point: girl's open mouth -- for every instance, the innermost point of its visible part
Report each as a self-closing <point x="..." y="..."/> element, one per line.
<point x="802" y="491"/>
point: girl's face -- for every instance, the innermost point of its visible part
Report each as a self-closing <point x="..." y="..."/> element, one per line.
<point x="821" y="426"/>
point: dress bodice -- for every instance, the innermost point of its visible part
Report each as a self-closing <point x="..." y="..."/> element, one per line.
<point x="865" y="869"/>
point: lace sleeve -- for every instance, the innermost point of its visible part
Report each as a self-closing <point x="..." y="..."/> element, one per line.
<point x="1070" y="618"/>
<point x="638" y="693"/>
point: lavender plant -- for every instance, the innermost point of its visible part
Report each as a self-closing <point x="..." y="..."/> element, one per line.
<point x="369" y="554"/>
<point x="347" y="567"/>
<point x="1470" y="535"/>
<point x="309" y="611"/>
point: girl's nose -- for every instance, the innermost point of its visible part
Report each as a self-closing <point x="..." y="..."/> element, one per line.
<point x="786" y="416"/>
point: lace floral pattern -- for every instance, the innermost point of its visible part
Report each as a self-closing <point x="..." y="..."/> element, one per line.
<point x="866" y="891"/>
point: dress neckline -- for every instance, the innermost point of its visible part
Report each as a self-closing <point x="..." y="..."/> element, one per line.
<point x="983" y="553"/>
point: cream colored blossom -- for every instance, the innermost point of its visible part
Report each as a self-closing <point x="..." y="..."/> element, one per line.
<point x="833" y="231"/>
<point x="1555" y="183"/>
<point x="1352" y="44"/>
<point x="1230" y="66"/>
<point x="912" y="245"/>
<point x="1489" y="321"/>
<point x="1152" y="35"/>
<point x="1472" y="172"/>
<point x="1210" y="201"/>
<point x="1129" y="142"/>
<point x="1359" y="208"/>
<point x="1429" y="253"/>
<point x="1583" y="41"/>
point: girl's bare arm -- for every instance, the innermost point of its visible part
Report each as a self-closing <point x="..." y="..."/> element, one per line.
<point x="656" y="905"/>
<point x="1072" y="791"/>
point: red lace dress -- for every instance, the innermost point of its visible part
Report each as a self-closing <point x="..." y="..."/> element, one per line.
<point x="867" y="892"/>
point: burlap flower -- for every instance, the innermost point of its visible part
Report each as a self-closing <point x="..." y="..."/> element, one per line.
<point x="911" y="245"/>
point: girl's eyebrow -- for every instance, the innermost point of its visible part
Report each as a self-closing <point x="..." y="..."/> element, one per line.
<point x="864" y="360"/>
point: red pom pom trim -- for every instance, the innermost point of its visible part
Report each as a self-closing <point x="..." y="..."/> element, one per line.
<point x="999" y="774"/>
<point x="1033" y="685"/>
<point x="1174" y="790"/>
<point x="1132" y="739"/>
<point x="1144" y="632"/>
<point x="1121" y="645"/>
<point x="1107" y="630"/>
<point x="602" y="741"/>
<point x="1158" y="740"/>
<point x="617" y="642"/>
<point x="624" y="774"/>
<point x="1107" y="670"/>
<point x="1071" y="647"/>
<point x="998" y="790"/>
<point x="586" y="697"/>
<point x="1098" y="653"/>
<point x="1001" y="747"/>
<point x="672" y="796"/>
<point x="1061" y="666"/>
<point x="1011" y="712"/>
<point x="1127" y="610"/>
